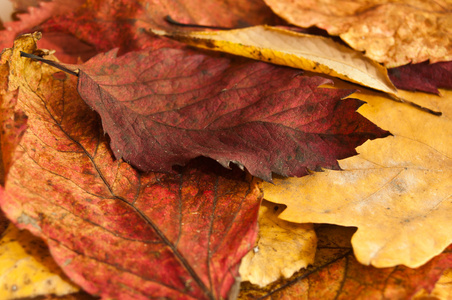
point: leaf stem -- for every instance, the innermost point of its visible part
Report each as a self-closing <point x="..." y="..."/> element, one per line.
<point x="170" y="20"/>
<point x="415" y="105"/>
<point x="49" y="62"/>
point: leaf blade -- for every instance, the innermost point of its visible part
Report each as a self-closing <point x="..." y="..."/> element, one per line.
<point x="293" y="49"/>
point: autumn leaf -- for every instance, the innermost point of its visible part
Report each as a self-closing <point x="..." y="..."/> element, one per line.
<point x="114" y="231"/>
<point x="293" y="49"/>
<point x="27" y="268"/>
<point x="164" y="107"/>
<point x="282" y="248"/>
<point x="12" y="123"/>
<point x="33" y="17"/>
<point x="423" y="77"/>
<point x="396" y="191"/>
<point x="391" y="32"/>
<point x="108" y="24"/>
<point x="337" y="275"/>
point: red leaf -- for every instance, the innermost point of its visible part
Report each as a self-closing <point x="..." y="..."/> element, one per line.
<point x="165" y="107"/>
<point x="34" y="17"/>
<point x="337" y="275"/>
<point x="423" y="77"/>
<point x="108" y="24"/>
<point x="115" y="232"/>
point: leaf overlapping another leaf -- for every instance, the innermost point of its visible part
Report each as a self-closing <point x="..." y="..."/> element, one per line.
<point x="114" y="231"/>
<point x="337" y="275"/>
<point x="290" y="48"/>
<point x="394" y="33"/>
<point x="397" y="191"/>
<point x="164" y="107"/>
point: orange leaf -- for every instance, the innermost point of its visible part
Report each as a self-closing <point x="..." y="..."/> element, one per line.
<point x="114" y="231"/>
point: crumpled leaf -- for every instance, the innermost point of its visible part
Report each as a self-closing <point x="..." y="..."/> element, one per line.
<point x="293" y="49"/>
<point x="27" y="268"/>
<point x="397" y="191"/>
<point x="337" y="275"/>
<point x="164" y="107"/>
<point x="423" y="77"/>
<point x="114" y="231"/>
<point x="282" y="248"/>
<point x="391" y="32"/>
<point x="108" y="24"/>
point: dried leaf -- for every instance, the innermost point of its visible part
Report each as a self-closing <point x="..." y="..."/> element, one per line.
<point x="397" y="191"/>
<point x="337" y="275"/>
<point x="391" y="32"/>
<point x="33" y="17"/>
<point x="116" y="232"/>
<point x="293" y="49"/>
<point x="282" y="248"/>
<point x="442" y="289"/>
<point x="164" y="107"/>
<point x="27" y="268"/>
<point x="423" y="77"/>
<point x="109" y="24"/>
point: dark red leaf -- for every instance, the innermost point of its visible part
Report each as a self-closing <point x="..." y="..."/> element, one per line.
<point x="164" y="107"/>
<point x="423" y="77"/>
<point x="115" y="232"/>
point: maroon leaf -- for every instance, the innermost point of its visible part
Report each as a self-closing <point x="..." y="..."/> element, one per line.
<point x="167" y="106"/>
<point x="115" y="232"/>
<point x="423" y="77"/>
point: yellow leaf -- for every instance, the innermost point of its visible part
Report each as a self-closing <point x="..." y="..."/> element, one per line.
<point x="282" y="249"/>
<point x="297" y="50"/>
<point x="27" y="268"/>
<point x="397" y="191"/>
<point x="391" y="32"/>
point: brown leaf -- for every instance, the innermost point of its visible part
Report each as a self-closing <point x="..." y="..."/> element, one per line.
<point x="337" y="275"/>
<point x="164" y="107"/>
<point x="391" y="32"/>
<point x="114" y="231"/>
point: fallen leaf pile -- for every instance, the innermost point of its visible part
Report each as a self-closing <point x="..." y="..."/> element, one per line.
<point x="144" y="167"/>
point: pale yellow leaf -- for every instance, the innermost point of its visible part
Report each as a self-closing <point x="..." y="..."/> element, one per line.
<point x="293" y="49"/>
<point x="282" y="249"/>
<point x="397" y="191"/>
<point x="27" y="268"/>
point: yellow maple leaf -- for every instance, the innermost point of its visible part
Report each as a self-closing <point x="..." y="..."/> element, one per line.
<point x="293" y="49"/>
<point x="397" y="191"/>
<point x="391" y="32"/>
<point x="282" y="249"/>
